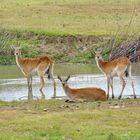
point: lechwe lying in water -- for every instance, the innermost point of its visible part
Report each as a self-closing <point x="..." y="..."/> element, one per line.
<point x="82" y="94"/>
<point x="120" y="67"/>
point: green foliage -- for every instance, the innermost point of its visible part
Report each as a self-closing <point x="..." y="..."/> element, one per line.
<point x="6" y="50"/>
<point x="60" y="57"/>
<point x="30" y="42"/>
<point x="34" y="54"/>
<point x="82" y="58"/>
<point x="65" y="18"/>
<point x="25" y="50"/>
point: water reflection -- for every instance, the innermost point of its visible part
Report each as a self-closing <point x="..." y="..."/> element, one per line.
<point x="16" y="89"/>
<point x="13" y="85"/>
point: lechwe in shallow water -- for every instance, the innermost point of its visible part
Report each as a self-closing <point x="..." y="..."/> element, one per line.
<point x="82" y="94"/>
<point x="120" y="67"/>
<point x="41" y="65"/>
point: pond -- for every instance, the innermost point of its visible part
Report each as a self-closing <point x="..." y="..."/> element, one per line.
<point x="13" y="85"/>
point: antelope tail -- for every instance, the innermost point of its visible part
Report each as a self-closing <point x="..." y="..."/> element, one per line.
<point x="127" y="71"/>
<point x="50" y="71"/>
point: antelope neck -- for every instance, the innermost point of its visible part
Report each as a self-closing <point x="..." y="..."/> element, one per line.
<point x="67" y="90"/>
<point x="100" y="64"/>
<point x="18" y="60"/>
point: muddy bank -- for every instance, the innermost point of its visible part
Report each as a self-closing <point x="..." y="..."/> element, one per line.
<point x="68" y="48"/>
<point x="64" y="48"/>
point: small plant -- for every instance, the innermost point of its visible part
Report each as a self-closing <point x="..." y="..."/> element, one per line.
<point x="6" y="50"/>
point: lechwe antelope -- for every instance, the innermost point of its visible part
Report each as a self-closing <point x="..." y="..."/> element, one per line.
<point x="82" y="94"/>
<point x="41" y="65"/>
<point x="120" y="67"/>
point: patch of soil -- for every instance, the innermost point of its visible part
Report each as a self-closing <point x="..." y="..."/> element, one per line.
<point x="59" y="47"/>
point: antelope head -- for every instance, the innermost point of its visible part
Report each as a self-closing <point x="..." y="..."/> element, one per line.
<point x="18" y="51"/>
<point x="64" y="80"/>
<point x="98" y="54"/>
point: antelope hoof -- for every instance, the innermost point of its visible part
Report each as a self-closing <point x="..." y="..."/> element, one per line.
<point x="113" y="97"/>
<point x="107" y="97"/>
<point x="135" y="97"/>
<point x="66" y="101"/>
<point x="42" y="95"/>
<point x="69" y="101"/>
<point x="119" y="97"/>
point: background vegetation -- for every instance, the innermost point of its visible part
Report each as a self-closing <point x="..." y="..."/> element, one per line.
<point x="32" y="22"/>
<point x="60" y="17"/>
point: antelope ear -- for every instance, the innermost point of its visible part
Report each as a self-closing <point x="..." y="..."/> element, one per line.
<point x="93" y="53"/>
<point x="100" y="50"/>
<point x="59" y="78"/>
<point x="13" y="48"/>
<point x="20" y="47"/>
<point x="94" y="50"/>
<point x="68" y="78"/>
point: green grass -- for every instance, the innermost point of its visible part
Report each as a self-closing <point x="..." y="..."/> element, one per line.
<point x="62" y="121"/>
<point x="62" y="17"/>
<point x="32" y="21"/>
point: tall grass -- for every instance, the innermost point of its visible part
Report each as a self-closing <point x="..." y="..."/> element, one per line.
<point x="5" y="48"/>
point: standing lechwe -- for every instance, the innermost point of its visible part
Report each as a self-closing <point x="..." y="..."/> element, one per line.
<point x="120" y="67"/>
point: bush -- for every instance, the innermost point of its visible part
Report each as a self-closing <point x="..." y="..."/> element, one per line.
<point x="6" y="51"/>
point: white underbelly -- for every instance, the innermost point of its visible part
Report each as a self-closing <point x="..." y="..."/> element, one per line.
<point x="113" y="73"/>
<point x="34" y="72"/>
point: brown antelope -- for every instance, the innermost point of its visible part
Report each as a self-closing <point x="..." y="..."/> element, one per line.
<point x="41" y="65"/>
<point x="119" y="67"/>
<point x="82" y="94"/>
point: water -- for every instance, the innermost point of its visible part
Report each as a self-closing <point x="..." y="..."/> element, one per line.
<point x="13" y="85"/>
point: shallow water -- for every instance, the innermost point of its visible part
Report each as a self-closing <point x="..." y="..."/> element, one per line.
<point x="13" y="85"/>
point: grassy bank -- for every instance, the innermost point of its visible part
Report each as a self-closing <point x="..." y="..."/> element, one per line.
<point x="57" y="120"/>
<point x="62" y="49"/>
<point x="68" y="48"/>
<point x="65" y="29"/>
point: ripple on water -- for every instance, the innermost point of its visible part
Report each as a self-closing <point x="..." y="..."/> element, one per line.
<point x="15" y="89"/>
